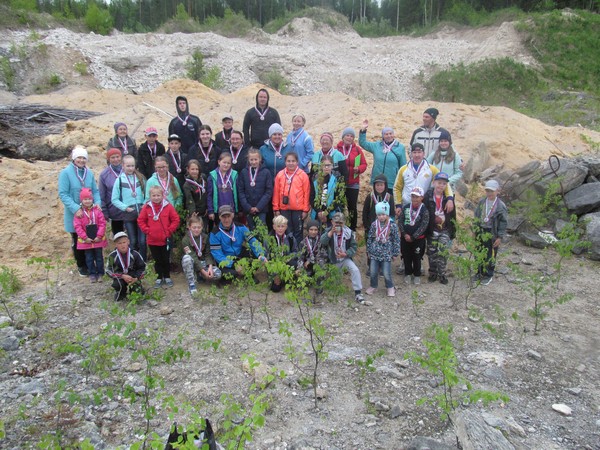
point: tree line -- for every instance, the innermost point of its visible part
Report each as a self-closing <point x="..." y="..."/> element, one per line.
<point x="398" y="15"/>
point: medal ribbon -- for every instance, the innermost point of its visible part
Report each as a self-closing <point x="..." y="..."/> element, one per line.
<point x="225" y="180"/>
<point x="81" y="179"/>
<point x="339" y="243"/>
<point x="296" y="135"/>
<point x="416" y="172"/>
<point x="488" y="213"/>
<point x="113" y="171"/>
<point x="224" y="138"/>
<point x="177" y="164"/>
<point x="123" y="265"/>
<point x="165" y="186"/>
<point x="291" y="178"/>
<point x="162" y="206"/>
<point x="91" y="218"/>
<point x="198" y="246"/>
<point x="347" y="153"/>
<point x="133" y="186"/>
<point x="252" y="177"/>
<point x="414" y="215"/>
<point x="438" y="205"/>
<point x="277" y="150"/>
<point x="200" y="187"/>
<point x="261" y="115"/>
<point x="123" y="143"/>
<point x="183" y="121"/>
<point x="230" y="236"/>
<point x="235" y="156"/>
<point x="388" y="148"/>
<point x="207" y="154"/>
<point x="382" y="233"/>
<point x="152" y="151"/>
<point x="311" y="251"/>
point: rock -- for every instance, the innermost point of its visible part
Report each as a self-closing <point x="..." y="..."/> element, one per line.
<point x="426" y="443"/>
<point x="396" y="412"/>
<point x="321" y="393"/>
<point x="478" y="162"/>
<point x="33" y="387"/>
<point x="4" y="319"/>
<point x="403" y="363"/>
<point x="562" y="408"/>
<point x="462" y="188"/>
<point x="574" y="391"/>
<point x="534" y="240"/>
<point x="10" y="343"/>
<point x="514" y="222"/>
<point x="592" y="233"/>
<point x="592" y="163"/>
<point x="515" y="428"/>
<point x="584" y="198"/>
<point x="534" y="355"/>
<point x="166" y="310"/>
<point x="571" y="174"/>
<point x="474" y="434"/>
<point x="133" y="367"/>
<point x="493" y="421"/>
<point x="390" y="371"/>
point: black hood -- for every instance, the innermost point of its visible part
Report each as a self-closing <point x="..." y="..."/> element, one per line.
<point x="182" y="114"/>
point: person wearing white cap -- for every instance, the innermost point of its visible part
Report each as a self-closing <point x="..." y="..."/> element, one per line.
<point x="412" y="224"/>
<point x="491" y="215"/>
<point x="71" y="180"/>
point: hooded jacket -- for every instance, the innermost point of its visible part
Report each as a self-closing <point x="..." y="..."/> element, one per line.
<point x="190" y="131"/>
<point x="256" y="131"/>
<point x="368" y="212"/>
<point x="355" y="159"/>
<point x="387" y="163"/>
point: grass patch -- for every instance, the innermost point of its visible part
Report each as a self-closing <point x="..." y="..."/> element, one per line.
<point x="196" y="70"/>
<point x="275" y="79"/>
<point x="7" y="72"/>
<point x="335" y="20"/>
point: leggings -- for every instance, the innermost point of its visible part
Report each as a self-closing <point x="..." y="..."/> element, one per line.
<point x="160" y="254"/>
<point x="352" y="200"/>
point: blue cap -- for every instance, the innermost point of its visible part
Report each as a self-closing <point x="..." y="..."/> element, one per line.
<point x="441" y="176"/>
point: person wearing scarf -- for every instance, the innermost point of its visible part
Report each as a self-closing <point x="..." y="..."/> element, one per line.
<point x="122" y="141"/>
<point x="106" y="183"/>
<point x="185" y="125"/>
<point x="71" y="180"/>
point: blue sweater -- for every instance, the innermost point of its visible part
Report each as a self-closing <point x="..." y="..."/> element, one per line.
<point x="258" y="196"/>
<point x="69" y="188"/>
<point x="299" y="141"/>
<point x="384" y="163"/>
<point x="271" y="162"/>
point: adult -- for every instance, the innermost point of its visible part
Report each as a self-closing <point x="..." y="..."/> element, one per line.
<point x="388" y="154"/>
<point x="417" y="173"/>
<point x="122" y="141"/>
<point x="258" y="120"/>
<point x="428" y="135"/>
<point x="205" y="151"/>
<point x="177" y="160"/>
<point x="227" y="243"/>
<point x="148" y="151"/>
<point x="185" y="125"/>
<point x="447" y="159"/>
<point x="71" y="180"/>
<point x="301" y="142"/>
<point x="273" y="151"/>
<point x="340" y="169"/>
<point x="238" y="151"/>
<point x="222" y="139"/>
<point x="357" y="164"/>
<point x="106" y="183"/>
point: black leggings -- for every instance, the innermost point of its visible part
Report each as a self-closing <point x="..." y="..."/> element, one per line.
<point x="352" y="201"/>
<point x="79" y="255"/>
<point x="160" y="254"/>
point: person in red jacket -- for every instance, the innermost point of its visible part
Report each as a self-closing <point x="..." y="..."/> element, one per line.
<point x="291" y="195"/>
<point x="357" y="164"/>
<point x="159" y="220"/>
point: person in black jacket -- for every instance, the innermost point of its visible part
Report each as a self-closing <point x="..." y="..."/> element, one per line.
<point x="126" y="267"/>
<point x="148" y="151"/>
<point x="258" y="120"/>
<point x="185" y="125"/>
<point x="222" y="138"/>
<point x="442" y="228"/>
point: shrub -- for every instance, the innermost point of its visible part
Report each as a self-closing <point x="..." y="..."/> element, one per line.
<point x="273" y="78"/>
<point x="8" y="73"/>
<point x="231" y="25"/>
<point x="196" y="70"/>
<point x="98" y="20"/>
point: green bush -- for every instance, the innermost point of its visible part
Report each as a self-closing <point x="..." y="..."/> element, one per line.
<point x="273" y="78"/>
<point x="98" y="20"/>
<point x="196" y="70"/>
<point x="375" y="29"/>
<point x="8" y="73"/>
<point x="231" y="25"/>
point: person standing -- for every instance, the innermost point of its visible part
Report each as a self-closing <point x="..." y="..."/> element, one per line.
<point x="205" y="151"/>
<point x="413" y="222"/>
<point x="273" y="151"/>
<point x="222" y="139"/>
<point x="447" y="159"/>
<point x="258" y="120"/>
<point x="301" y="142"/>
<point x="148" y="152"/>
<point x="176" y="159"/>
<point x="238" y="151"/>
<point x="122" y="141"/>
<point x="185" y="125"/>
<point x="357" y="164"/>
<point x="106" y="183"/>
<point x="428" y="135"/>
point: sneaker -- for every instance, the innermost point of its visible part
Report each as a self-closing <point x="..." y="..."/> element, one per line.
<point x="391" y="292"/>
<point x="360" y="298"/>
<point x="443" y="279"/>
<point x="486" y="280"/>
<point x="370" y="290"/>
<point x="431" y="278"/>
<point x="83" y="272"/>
<point x="407" y="279"/>
<point x="417" y="280"/>
<point x="93" y="278"/>
<point x="158" y="283"/>
<point x="169" y="283"/>
<point x="193" y="290"/>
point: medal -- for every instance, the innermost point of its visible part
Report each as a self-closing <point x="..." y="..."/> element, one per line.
<point x="206" y="154"/>
<point x="225" y="180"/>
<point x="197" y="247"/>
<point x="346" y="153"/>
<point x="488" y="212"/>
<point x="200" y="187"/>
<point x="261" y="115"/>
<point x="184" y="121"/>
<point x="416" y="172"/>
<point x="177" y="164"/>
<point x="92" y="218"/>
<point x="234" y="156"/>
<point x="152" y="152"/>
<point x="165" y="186"/>
<point x="132" y="187"/>
<point x="382" y="232"/>
<point x="290" y="178"/>
<point x="230" y="236"/>
<point x="311" y="252"/>
<point x="295" y="136"/>
<point x="123" y="265"/>
<point x="81" y="179"/>
<point x="252" y="177"/>
<point x="123" y="145"/>
<point x="252" y="183"/>
<point x="224" y="137"/>
<point x="157" y="214"/>
<point x="277" y="150"/>
<point x="388" y="148"/>
<point x="414" y="214"/>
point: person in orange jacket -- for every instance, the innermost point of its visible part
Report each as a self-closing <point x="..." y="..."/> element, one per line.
<point x="291" y="195"/>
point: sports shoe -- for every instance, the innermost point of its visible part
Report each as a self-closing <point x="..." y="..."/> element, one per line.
<point x="407" y="279"/>
<point x="391" y="292"/>
<point x="93" y="278"/>
<point x="370" y="290"/>
<point x="169" y="283"/>
<point x="158" y="283"/>
<point x="83" y="271"/>
<point x="433" y="277"/>
<point x="193" y="290"/>
<point x="486" y="280"/>
<point x="360" y="298"/>
<point x="417" y="280"/>
<point x="443" y="279"/>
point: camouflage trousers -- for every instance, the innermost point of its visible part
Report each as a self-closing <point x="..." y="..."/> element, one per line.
<point x="438" y="246"/>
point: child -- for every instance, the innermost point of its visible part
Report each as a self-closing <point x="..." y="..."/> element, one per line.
<point x="310" y="251"/>
<point x="194" y="189"/>
<point x="223" y="138"/>
<point x="128" y="196"/>
<point x="441" y="228"/>
<point x="326" y="193"/>
<point x="205" y="151"/>
<point x="238" y="151"/>
<point x="159" y="220"/>
<point x="383" y="245"/>
<point x="222" y="186"/>
<point x="357" y="164"/>
<point x="167" y="182"/>
<point x="285" y="245"/>
<point x="255" y="189"/>
<point x="291" y="195"/>
<point x="148" y="152"/>
<point x="412" y="224"/>
<point x="493" y="219"/>
<point x="122" y="141"/>
<point x="126" y="267"/>
<point x="177" y="159"/>
<point x="341" y="247"/>
<point x="90" y="228"/>
<point x="197" y="260"/>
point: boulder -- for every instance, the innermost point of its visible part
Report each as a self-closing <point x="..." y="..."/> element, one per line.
<point x="480" y="158"/>
<point x="568" y="172"/>
<point x="584" y="198"/>
<point x="592" y="233"/>
<point x="426" y="443"/>
<point x="532" y="239"/>
<point x="592" y="163"/>
<point x="474" y="433"/>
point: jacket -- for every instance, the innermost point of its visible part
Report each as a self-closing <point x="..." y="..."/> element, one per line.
<point x="174" y="194"/>
<point x="212" y="192"/>
<point x="383" y="250"/>
<point x="452" y="169"/>
<point x="205" y="258"/>
<point x="449" y="219"/>
<point x="256" y="131"/>
<point x="69" y="188"/>
<point x="158" y="231"/>
<point x="384" y="163"/>
<point x="408" y="178"/>
<point x="222" y="138"/>
<point x="349" y="244"/>
<point x="225" y="250"/>
<point x="135" y="269"/>
<point x="340" y="168"/>
<point x="429" y="138"/>
<point x="206" y="167"/>
<point x="80" y="224"/>
<point x="368" y="212"/>
<point x="242" y="157"/>
<point x="355" y="158"/>
<point x="313" y="254"/>
<point x="280" y="250"/>
<point x="258" y="196"/>
<point x="196" y="197"/>
<point x="145" y="158"/>
<point x="420" y="226"/>
<point x="177" y="162"/>
<point x="189" y="132"/>
<point x="272" y="162"/>
<point x="106" y="183"/>
<point x="332" y="201"/>
<point x="498" y="221"/>
<point x="129" y="147"/>
<point x="301" y="142"/>
<point x="122" y="197"/>
<point x="298" y="192"/>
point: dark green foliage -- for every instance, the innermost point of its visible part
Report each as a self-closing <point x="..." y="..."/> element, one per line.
<point x="98" y="20"/>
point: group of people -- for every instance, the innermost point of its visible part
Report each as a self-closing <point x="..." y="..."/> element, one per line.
<point x="227" y="184"/>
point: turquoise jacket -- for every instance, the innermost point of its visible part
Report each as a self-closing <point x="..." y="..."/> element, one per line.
<point x="384" y="163"/>
<point x="69" y="188"/>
